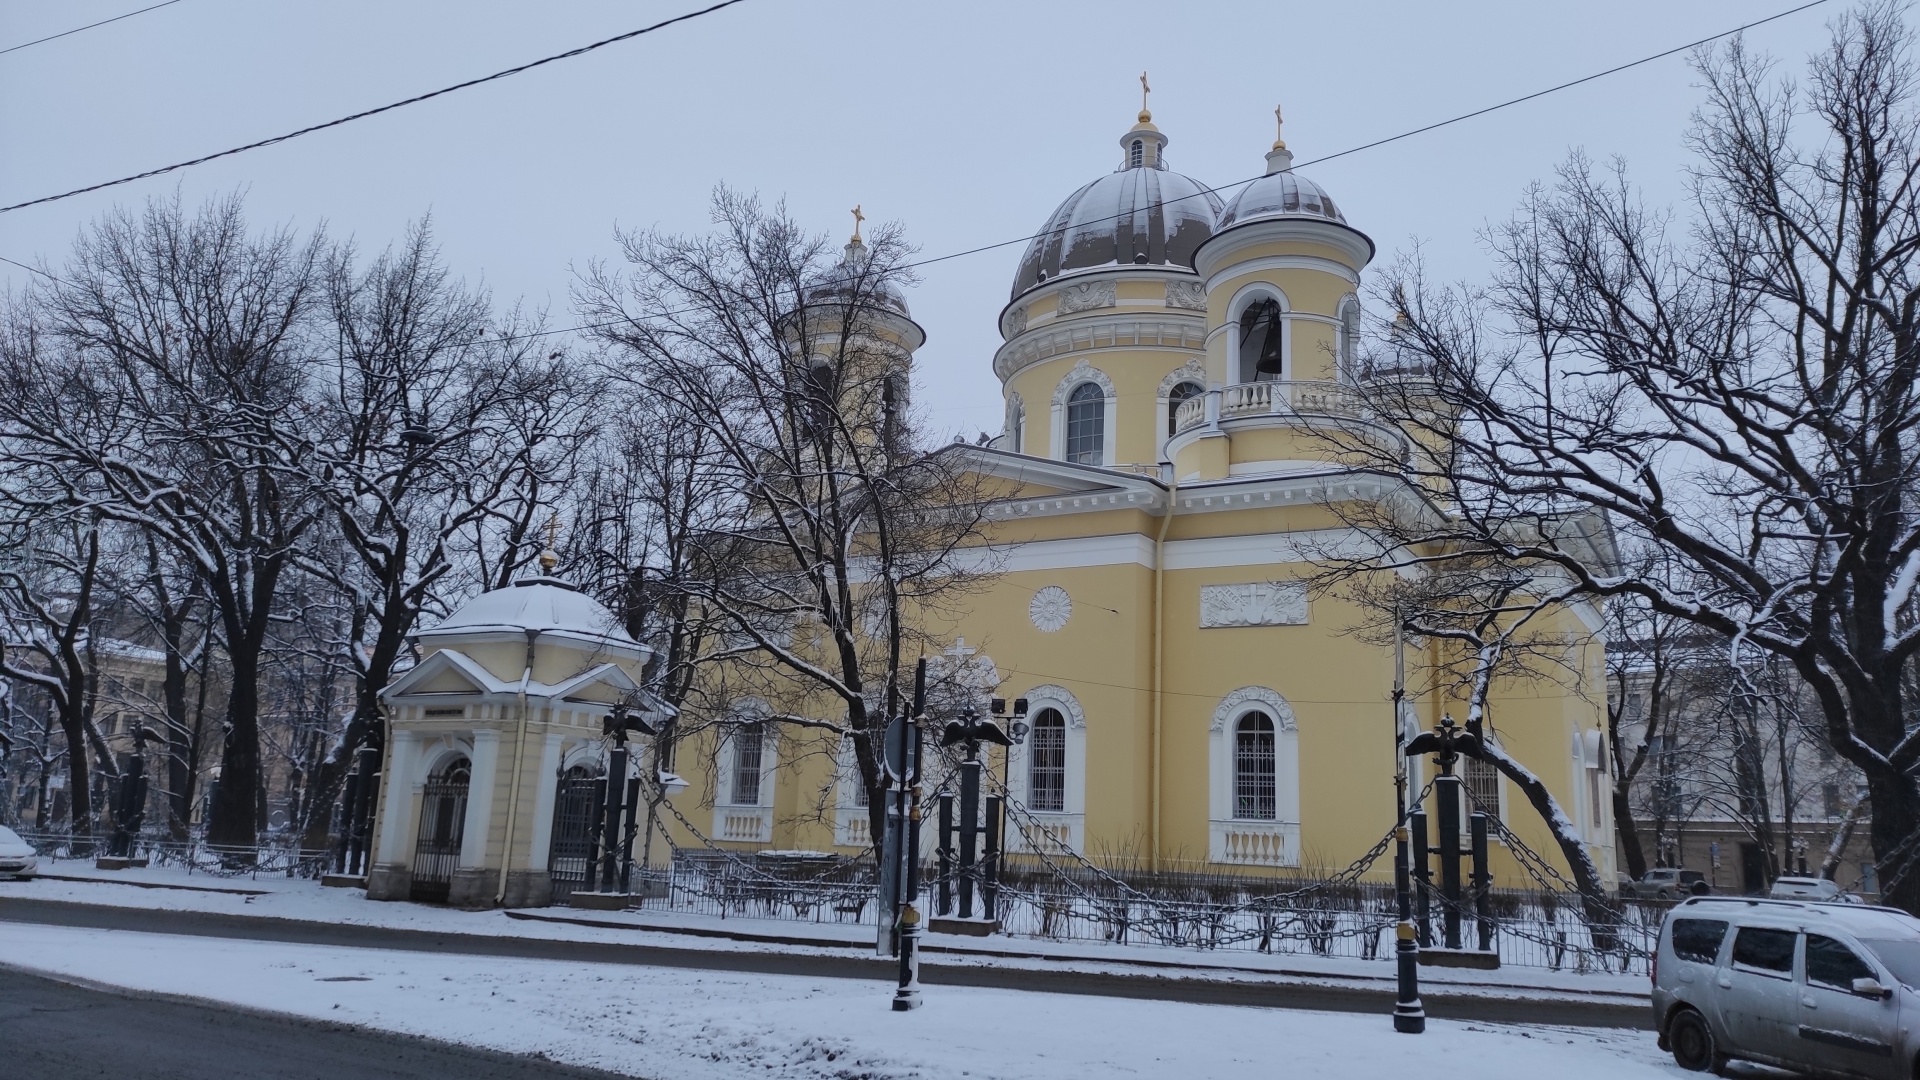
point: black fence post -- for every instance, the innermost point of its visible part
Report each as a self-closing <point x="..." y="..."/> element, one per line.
<point x="943" y="893"/>
<point x="1446" y="793"/>
<point x="1422" y="878"/>
<point x="990" y="861"/>
<point x="632" y="828"/>
<point x="1482" y="881"/>
<point x="969" y="831"/>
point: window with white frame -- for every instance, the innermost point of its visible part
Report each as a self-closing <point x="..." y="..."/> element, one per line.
<point x="1086" y="425"/>
<point x="1255" y="797"/>
<point x="1480" y="788"/>
<point x="1047" y="762"/>
<point x="749" y="743"/>
<point x="1180" y="393"/>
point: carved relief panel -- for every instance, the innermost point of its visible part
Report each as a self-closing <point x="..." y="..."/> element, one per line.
<point x="1259" y="603"/>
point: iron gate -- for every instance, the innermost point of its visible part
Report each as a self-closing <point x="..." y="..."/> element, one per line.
<point x="443" y="820"/>
<point x="577" y="806"/>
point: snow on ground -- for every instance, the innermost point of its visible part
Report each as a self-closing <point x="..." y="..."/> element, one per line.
<point x="291" y="898"/>
<point x="681" y="1025"/>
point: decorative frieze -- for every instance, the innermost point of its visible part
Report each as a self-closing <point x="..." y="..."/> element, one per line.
<point x="1259" y="603"/>
<point x="1014" y="323"/>
<point x="1190" y="295"/>
<point x="1087" y="296"/>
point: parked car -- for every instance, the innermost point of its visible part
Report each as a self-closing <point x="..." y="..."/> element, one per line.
<point x="1808" y="888"/>
<point x="17" y="857"/>
<point x="1812" y="987"/>
<point x="1670" y="883"/>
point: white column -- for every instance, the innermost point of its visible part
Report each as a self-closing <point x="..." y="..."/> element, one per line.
<point x="543" y="796"/>
<point x="398" y="806"/>
<point x="486" y="777"/>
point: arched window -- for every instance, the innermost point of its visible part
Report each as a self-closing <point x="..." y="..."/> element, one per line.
<point x="1016" y="422"/>
<point x="1047" y="763"/>
<point x="1254" y="795"/>
<point x="1262" y="333"/>
<point x="1350" y="340"/>
<point x="747" y="745"/>
<point x="1137" y="155"/>
<point x="1087" y="425"/>
<point x="1181" y="392"/>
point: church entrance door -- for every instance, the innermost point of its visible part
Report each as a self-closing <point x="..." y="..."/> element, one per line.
<point x="576" y="819"/>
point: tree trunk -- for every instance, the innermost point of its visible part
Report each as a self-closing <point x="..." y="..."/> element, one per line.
<point x="236" y="799"/>
<point x="1627" y="831"/>
<point x="1601" y="916"/>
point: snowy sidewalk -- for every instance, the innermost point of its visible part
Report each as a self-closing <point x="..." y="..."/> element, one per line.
<point x="668" y="1024"/>
<point x="292" y="899"/>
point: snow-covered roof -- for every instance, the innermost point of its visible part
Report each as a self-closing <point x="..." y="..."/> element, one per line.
<point x="550" y="605"/>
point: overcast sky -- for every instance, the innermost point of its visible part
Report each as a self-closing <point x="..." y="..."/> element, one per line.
<point x="967" y="122"/>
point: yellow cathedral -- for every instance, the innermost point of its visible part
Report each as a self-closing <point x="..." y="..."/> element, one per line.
<point x="1168" y="364"/>
<point x="1160" y="487"/>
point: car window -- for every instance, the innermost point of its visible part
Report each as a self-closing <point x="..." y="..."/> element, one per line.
<point x="1831" y="964"/>
<point x="1698" y="940"/>
<point x="1902" y="957"/>
<point x="1767" y="950"/>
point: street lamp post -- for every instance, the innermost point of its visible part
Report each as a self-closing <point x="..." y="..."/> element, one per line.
<point x="906" y="996"/>
<point x="1409" y="1014"/>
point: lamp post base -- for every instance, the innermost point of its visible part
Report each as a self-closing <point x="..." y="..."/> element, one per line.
<point x="1410" y="1019"/>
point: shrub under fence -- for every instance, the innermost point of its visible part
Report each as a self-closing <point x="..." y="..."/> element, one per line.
<point x="274" y="853"/>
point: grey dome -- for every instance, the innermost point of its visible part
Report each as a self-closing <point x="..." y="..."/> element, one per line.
<point x="1280" y="194"/>
<point x="850" y="281"/>
<point x="1140" y="215"/>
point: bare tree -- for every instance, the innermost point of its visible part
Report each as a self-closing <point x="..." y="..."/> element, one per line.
<point x="157" y="382"/>
<point x="829" y="549"/>
<point x="1742" y="394"/>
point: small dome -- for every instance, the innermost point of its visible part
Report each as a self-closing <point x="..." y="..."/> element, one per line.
<point x="1280" y="193"/>
<point x="547" y="604"/>
<point x="1142" y="214"/>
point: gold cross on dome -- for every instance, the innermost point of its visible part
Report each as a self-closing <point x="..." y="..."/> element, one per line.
<point x="1144" y="91"/>
<point x="858" y="217"/>
<point x="1279" y="127"/>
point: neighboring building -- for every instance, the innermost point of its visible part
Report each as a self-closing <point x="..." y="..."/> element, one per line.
<point x="1741" y="786"/>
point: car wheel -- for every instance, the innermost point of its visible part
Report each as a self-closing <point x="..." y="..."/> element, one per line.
<point x="1663" y="894"/>
<point x="1694" y="1047"/>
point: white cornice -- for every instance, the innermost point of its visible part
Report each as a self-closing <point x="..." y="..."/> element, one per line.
<point x="1218" y="250"/>
<point x="1114" y="329"/>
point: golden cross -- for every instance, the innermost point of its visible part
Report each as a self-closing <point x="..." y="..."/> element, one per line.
<point x="553" y="531"/>
<point x="1279" y="129"/>
<point x="1144" y="91"/>
<point x="858" y="217"/>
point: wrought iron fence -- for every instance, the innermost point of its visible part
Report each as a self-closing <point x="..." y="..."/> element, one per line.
<point x="274" y="854"/>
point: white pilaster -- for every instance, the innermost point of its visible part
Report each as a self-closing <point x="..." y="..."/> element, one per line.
<point x="543" y="796"/>
<point x="402" y="748"/>
<point x="486" y="777"/>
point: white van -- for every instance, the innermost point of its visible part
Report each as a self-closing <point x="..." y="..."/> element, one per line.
<point x="1802" y="985"/>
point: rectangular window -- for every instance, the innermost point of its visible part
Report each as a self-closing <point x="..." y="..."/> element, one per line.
<point x="1761" y="949"/>
<point x="1253" y="790"/>
<point x="1830" y="797"/>
<point x="1480" y="785"/>
<point x="746" y="765"/>
<point x="1699" y="940"/>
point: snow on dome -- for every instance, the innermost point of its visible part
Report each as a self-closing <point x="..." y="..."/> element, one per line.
<point x="549" y="605"/>
<point x="1142" y="214"/>
<point x="1280" y="194"/>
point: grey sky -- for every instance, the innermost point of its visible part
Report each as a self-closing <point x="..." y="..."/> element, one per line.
<point x="968" y="122"/>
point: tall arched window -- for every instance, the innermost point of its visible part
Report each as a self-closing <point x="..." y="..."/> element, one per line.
<point x="1180" y="393"/>
<point x="1350" y="341"/>
<point x="1254" y="795"/>
<point x="1087" y="425"/>
<point x="1047" y="763"/>
<point x="1137" y="155"/>
<point x="747" y="746"/>
<point x="1016" y="425"/>
<point x="1262" y="334"/>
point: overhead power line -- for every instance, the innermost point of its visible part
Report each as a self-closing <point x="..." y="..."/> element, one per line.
<point x="1618" y="68"/>
<point x="89" y="26"/>
<point x="568" y="55"/>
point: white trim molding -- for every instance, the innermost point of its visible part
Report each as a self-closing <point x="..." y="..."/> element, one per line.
<point x="1082" y="373"/>
<point x="1065" y="829"/>
<point x="1238" y="841"/>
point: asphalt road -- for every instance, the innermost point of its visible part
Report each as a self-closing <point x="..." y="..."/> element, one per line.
<point x="1439" y="1003"/>
<point x="57" y="1031"/>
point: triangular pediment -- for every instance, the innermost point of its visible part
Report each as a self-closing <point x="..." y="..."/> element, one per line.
<point x="1004" y="475"/>
<point x="446" y="671"/>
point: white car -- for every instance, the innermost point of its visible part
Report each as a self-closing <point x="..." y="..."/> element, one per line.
<point x="1808" y="888"/>
<point x="17" y="857"/>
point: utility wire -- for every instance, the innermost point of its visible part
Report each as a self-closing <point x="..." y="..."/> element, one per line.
<point x="568" y="55"/>
<point x="31" y="269"/>
<point x="89" y="26"/>
<point x="974" y="250"/>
